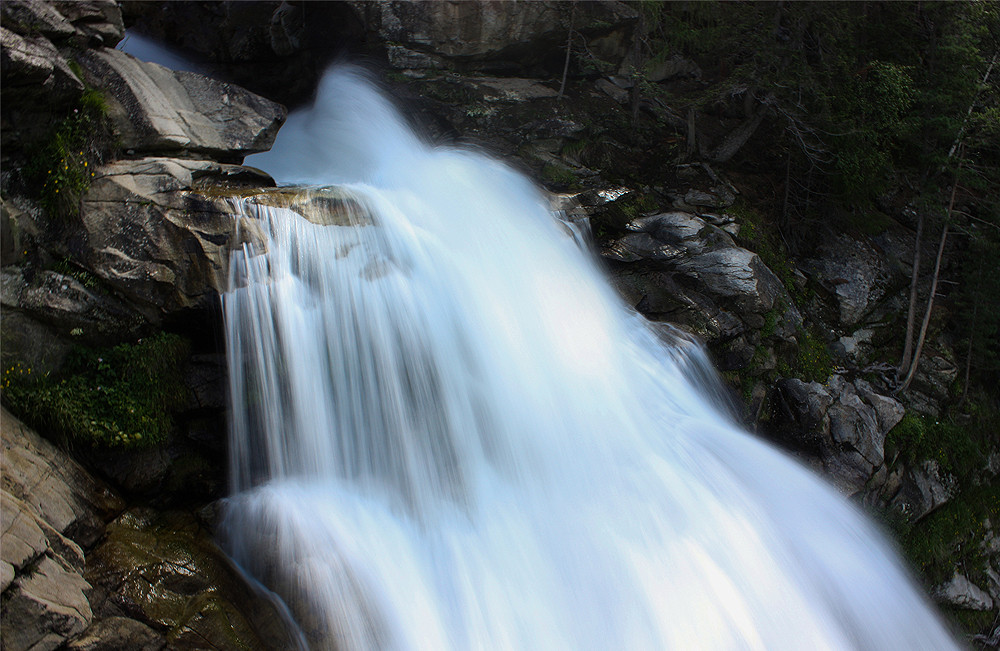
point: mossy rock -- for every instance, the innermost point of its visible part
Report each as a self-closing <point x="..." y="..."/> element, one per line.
<point x="163" y="568"/>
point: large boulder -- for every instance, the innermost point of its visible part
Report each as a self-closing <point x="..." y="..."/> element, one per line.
<point x="156" y="232"/>
<point x="839" y="427"/>
<point x="158" y="110"/>
<point x="855" y="273"/>
<point x="677" y="267"/>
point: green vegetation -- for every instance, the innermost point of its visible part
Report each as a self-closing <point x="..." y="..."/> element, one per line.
<point x="812" y="362"/>
<point x="950" y="537"/>
<point x="63" y="166"/>
<point x="960" y="447"/>
<point x="762" y="236"/>
<point x="118" y="397"/>
<point x="560" y="177"/>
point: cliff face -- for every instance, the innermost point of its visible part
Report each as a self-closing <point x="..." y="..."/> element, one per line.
<point x="116" y="227"/>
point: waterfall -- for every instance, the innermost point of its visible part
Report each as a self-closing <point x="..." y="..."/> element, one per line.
<point x="449" y="433"/>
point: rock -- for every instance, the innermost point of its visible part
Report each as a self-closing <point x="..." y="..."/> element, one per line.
<point x="67" y="305"/>
<point x="51" y="509"/>
<point x="854" y="272"/>
<point x="31" y="16"/>
<point x="924" y="489"/>
<point x="497" y="33"/>
<point x="675" y="66"/>
<point x="44" y="608"/>
<point x="100" y="21"/>
<point x="118" y="634"/>
<point x="152" y="237"/>
<point x="56" y="488"/>
<point x="274" y="48"/>
<point x="680" y="268"/>
<point x="164" y="570"/>
<point x="157" y="110"/>
<point x="840" y="425"/>
<point x="959" y="591"/>
<point x="34" y="72"/>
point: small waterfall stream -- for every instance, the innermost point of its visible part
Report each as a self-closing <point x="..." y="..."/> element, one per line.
<point x="449" y="433"/>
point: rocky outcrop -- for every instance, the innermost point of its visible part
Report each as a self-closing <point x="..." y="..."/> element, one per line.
<point x="962" y="593"/>
<point x="495" y="34"/>
<point x="677" y="267"/>
<point x="855" y="273"/>
<point x="157" y="110"/>
<point x="839" y="426"/>
<point x="152" y="231"/>
<point x="51" y="509"/>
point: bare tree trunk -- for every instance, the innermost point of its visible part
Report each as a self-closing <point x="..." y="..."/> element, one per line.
<point x="930" y="299"/>
<point x="911" y="313"/>
<point x="692" y="132"/>
<point x="569" y="49"/>
<point x="968" y="352"/>
<point x="738" y="137"/>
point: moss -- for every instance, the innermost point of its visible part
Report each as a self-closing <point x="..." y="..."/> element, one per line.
<point x="763" y="238"/>
<point x="121" y="397"/>
<point x="560" y="177"/>
<point x="959" y="448"/>
<point x="812" y="362"/>
<point x="951" y="537"/>
<point x="84" y="277"/>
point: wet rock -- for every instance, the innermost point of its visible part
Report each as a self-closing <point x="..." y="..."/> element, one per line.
<point x="841" y="426"/>
<point x="157" y="110"/>
<point x="959" y="591"/>
<point x="163" y="569"/>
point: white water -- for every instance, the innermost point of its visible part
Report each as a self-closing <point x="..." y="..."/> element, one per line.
<point x="448" y="433"/>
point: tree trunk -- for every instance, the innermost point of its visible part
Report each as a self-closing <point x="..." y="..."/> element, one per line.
<point x="738" y="137"/>
<point x="569" y="49"/>
<point x="930" y="299"/>
<point x="911" y="313"/>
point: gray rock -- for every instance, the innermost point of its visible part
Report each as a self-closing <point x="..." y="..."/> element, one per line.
<point x="34" y="70"/>
<point x="118" y="634"/>
<point x="157" y="110"/>
<point x="495" y="31"/>
<point x="100" y="21"/>
<point x="925" y="488"/>
<point x="959" y="591"/>
<point x="840" y="425"/>
<point x="44" y="608"/>
<point x="67" y="305"/>
<point x="57" y="488"/>
<point x="153" y="238"/>
<point x="854" y="272"/>
<point x="31" y="16"/>
<point x="675" y="66"/>
<point x="693" y="273"/>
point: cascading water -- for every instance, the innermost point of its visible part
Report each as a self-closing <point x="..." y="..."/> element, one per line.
<point x="449" y="433"/>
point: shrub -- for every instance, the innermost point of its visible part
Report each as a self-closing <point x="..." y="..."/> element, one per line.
<point x="121" y="397"/>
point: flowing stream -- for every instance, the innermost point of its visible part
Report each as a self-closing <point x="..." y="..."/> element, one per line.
<point x="448" y="432"/>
